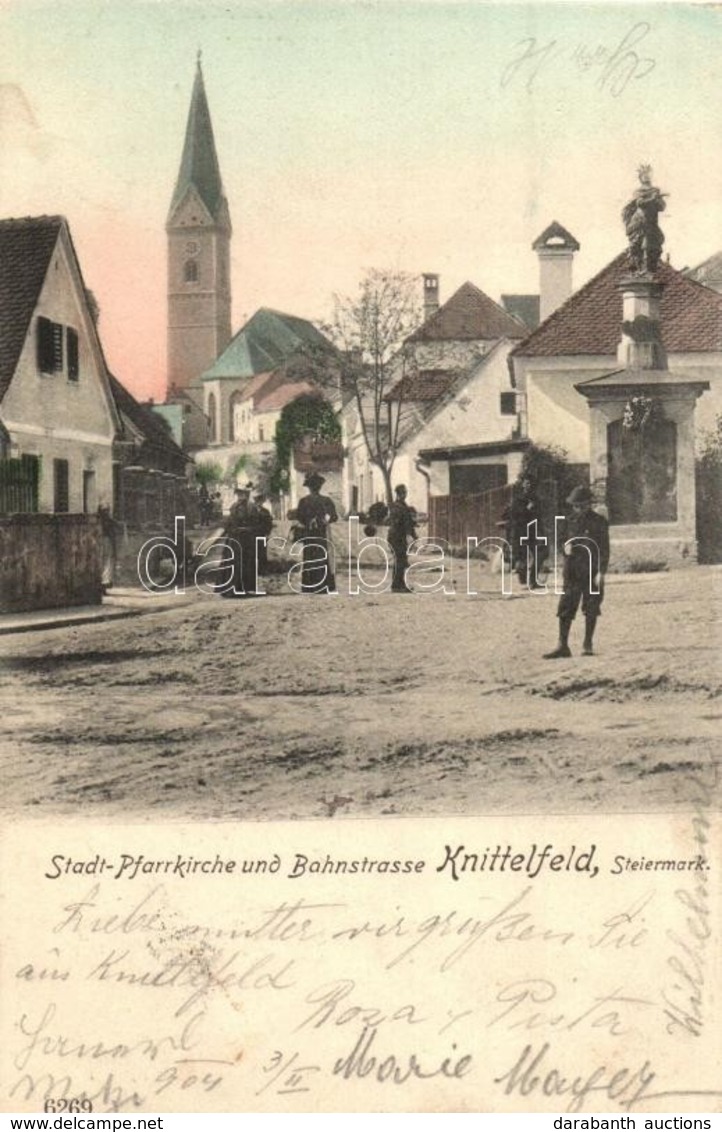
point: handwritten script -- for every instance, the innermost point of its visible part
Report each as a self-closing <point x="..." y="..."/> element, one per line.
<point x="611" y="67"/>
<point x="224" y="992"/>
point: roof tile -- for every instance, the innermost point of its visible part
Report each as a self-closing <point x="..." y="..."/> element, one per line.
<point x="469" y="315"/>
<point x="284" y="394"/>
<point x="590" y="322"/>
<point x="26" y="247"/>
<point x="425" y="385"/>
<point x="149" y="423"/>
<point x="268" y="339"/>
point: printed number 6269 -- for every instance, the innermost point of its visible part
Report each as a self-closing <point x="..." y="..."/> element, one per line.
<point x="68" y="1104"/>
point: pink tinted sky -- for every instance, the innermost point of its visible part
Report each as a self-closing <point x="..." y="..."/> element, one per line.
<point x="420" y="136"/>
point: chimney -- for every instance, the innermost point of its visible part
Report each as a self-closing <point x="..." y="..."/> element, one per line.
<point x="555" y="248"/>
<point x="431" y="295"/>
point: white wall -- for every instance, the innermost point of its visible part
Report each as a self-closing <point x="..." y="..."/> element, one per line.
<point x="472" y="415"/>
<point x="556" y="414"/>
<point x="50" y="416"/>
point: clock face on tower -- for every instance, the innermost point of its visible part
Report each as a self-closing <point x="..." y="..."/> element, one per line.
<point x="192" y="247"/>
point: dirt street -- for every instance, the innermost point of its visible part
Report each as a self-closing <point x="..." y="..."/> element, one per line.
<point x="321" y="706"/>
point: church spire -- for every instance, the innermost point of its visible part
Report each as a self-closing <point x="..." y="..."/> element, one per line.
<point x="199" y="167"/>
<point x="199" y="237"/>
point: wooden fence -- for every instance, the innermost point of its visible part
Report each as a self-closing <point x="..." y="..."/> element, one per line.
<point x="455" y="518"/>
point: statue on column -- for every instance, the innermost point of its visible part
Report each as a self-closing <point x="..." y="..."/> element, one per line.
<point x="640" y="221"/>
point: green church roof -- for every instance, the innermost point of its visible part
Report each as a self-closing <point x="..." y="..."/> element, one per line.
<point x="267" y="340"/>
<point x="199" y="164"/>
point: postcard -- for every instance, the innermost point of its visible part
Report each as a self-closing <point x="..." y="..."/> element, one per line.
<point x="360" y="544"/>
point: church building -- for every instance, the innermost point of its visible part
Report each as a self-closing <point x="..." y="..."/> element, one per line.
<point x="199" y="240"/>
<point x="210" y="371"/>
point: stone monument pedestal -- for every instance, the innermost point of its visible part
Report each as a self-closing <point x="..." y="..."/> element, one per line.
<point x="644" y="470"/>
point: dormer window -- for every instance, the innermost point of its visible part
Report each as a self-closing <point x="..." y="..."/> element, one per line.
<point x="190" y="271"/>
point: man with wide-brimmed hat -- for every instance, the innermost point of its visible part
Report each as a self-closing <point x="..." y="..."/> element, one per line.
<point x="240" y="536"/>
<point x="315" y="512"/>
<point x="586" y="558"/>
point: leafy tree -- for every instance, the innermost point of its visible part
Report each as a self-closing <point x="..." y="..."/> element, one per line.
<point x="548" y="470"/>
<point x="371" y="331"/>
<point x="552" y="478"/>
<point x="234" y="469"/>
<point x="309" y="414"/>
<point x="209" y="473"/>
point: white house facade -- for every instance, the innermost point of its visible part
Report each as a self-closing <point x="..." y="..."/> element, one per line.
<point x="56" y="405"/>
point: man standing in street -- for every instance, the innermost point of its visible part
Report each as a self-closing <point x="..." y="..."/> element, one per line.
<point x="315" y="513"/>
<point x="240" y="535"/>
<point x="402" y="526"/>
<point x="264" y="526"/>
<point x="586" y="558"/>
<point x="526" y="535"/>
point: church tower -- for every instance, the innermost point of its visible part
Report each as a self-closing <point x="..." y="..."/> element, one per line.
<point x="199" y="237"/>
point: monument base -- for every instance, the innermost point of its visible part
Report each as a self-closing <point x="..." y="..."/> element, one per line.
<point x="631" y="553"/>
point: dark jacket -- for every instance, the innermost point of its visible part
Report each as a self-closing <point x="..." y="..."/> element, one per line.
<point x="402" y="523"/>
<point x="590" y="532"/>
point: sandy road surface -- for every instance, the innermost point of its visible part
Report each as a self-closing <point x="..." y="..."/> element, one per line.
<point x="365" y="705"/>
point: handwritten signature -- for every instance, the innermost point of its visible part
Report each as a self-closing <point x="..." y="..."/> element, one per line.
<point x="684" y="1000"/>
<point x="614" y="68"/>
<point x="532" y="1075"/>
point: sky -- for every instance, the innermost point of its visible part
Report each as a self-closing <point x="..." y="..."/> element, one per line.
<point x="423" y="137"/>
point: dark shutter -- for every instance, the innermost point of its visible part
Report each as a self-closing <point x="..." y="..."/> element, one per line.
<point x="46" y="353"/>
<point x="73" y="364"/>
<point x="57" y="346"/>
<point x="62" y="493"/>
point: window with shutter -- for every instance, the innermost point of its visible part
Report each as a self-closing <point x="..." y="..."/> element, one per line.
<point x="45" y="345"/>
<point x="62" y="486"/>
<point x="57" y="346"/>
<point x="73" y="356"/>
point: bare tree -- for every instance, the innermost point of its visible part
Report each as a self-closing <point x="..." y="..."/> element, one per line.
<point x="371" y="332"/>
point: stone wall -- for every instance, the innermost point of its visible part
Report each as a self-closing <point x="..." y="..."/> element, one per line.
<point x="49" y="562"/>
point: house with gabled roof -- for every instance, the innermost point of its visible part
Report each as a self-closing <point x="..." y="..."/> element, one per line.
<point x="709" y="272"/>
<point x="273" y="359"/>
<point x="56" y="403"/>
<point x="456" y="391"/>
<point x="462" y="330"/>
<point x="150" y="470"/>
<point x="271" y="348"/>
<point x="579" y="341"/>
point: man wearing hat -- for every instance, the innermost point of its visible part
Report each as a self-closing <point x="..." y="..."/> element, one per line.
<point x="314" y="513"/>
<point x="402" y="520"/>
<point x="264" y="526"/>
<point x="240" y="535"/>
<point x="586" y="558"/>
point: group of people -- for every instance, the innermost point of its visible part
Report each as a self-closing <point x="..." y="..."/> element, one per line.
<point x="210" y="506"/>
<point x="585" y="548"/>
<point x="248" y="526"/>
